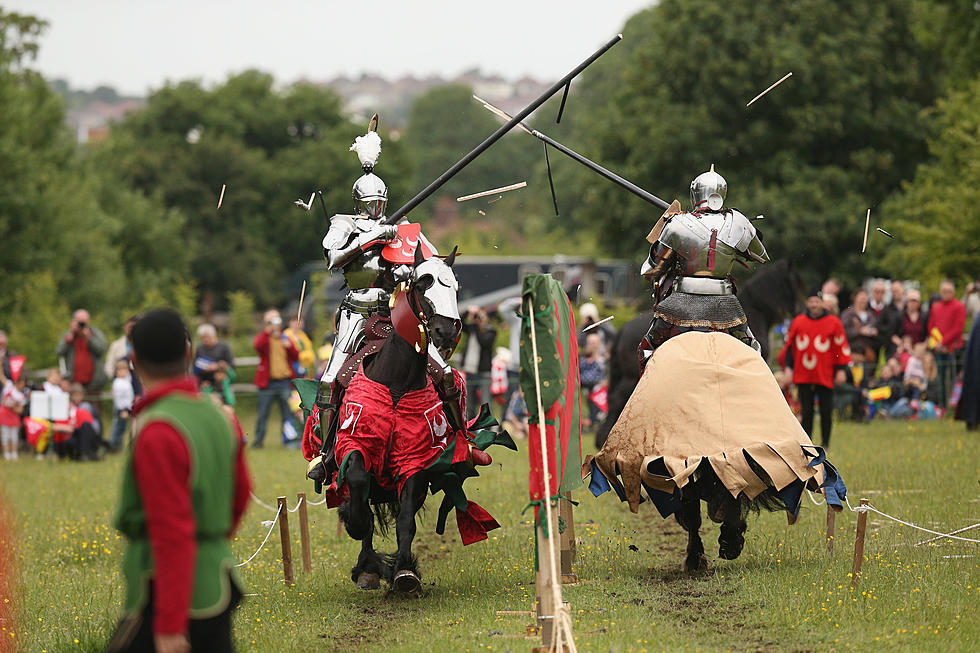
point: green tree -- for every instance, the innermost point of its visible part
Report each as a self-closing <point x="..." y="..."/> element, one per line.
<point x="444" y="124"/>
<point x="37" y="317"/>
<point x="836" y="138"/>
<point x="60" y="214"/>
<point x="266" y="148"/>
<point x="935" y="219"/>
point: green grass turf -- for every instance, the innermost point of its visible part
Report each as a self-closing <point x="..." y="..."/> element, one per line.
<point x="783" y="594"/>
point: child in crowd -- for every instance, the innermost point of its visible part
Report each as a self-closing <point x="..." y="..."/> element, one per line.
<point x="76" y="437"/>
<point x="122" y="403"/>
<point x="915" y="372"/>
<point x="591" y="369"/>
<point x="52" y="385"/>
<point x="515" y="417"/>
<point x="13" y="399"/>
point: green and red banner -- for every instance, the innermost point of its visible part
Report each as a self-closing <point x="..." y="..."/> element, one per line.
<point x="557" y="348"/>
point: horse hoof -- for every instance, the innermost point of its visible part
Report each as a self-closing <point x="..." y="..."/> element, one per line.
<point x="368" y="581"/>
<point x="699" y="563"/>
<point x="407" y="582"/>
<point x="729" y="550"/>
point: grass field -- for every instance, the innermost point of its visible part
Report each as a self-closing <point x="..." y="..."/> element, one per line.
<point x="783" y="594"/>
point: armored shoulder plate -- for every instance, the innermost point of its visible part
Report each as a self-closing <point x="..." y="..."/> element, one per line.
<point x="685" y="232"/>
<point x="339" y="232"/>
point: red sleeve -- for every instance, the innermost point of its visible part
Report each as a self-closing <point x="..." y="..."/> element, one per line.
<point x="243" y="483"/>
<point x="161" y="464"/>
<point x="788" y="347"/>
<point x="261" y="342"/>
<point x="841" y="358"/>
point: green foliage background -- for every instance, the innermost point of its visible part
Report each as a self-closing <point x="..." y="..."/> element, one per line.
<point x="882" y="111"/>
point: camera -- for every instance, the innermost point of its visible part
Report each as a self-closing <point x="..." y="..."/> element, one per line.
<point x="82" y="325"/>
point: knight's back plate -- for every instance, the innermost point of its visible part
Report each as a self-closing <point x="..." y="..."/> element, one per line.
<point x="706" y="244"/>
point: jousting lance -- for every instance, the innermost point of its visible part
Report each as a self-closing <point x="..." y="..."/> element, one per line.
<point x="497" y="135"/>
<point x="588" y="163"/>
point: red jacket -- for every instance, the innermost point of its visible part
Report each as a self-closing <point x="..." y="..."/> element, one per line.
<point x="950" y="318"/>
<point x="262" y="346"/>
<point x="818" y="346"/>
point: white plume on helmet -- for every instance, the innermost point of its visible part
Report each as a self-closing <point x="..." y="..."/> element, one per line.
<point x="368" y="148"/>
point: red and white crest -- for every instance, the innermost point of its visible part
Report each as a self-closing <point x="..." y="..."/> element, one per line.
<point x="350" y="415"/>
<point x="438" y="426"/>
<point x="402" y="249"/>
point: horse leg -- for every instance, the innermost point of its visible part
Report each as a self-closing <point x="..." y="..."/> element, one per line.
<point x="359" y="521"/>
<point x="733" y="526"/>
<point x="406" y="577"/>
<point x="689" y="517"/>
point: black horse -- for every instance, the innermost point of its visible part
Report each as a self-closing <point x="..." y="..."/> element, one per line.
<point x="769" y="296"/>
<point x="402" y="368"/>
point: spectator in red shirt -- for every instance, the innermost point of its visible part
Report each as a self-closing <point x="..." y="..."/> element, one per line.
<point x="277" y="355"/>
<point x="948" y="315"/>
<point x="82" y="347"/>
<point x="816" y="348"/>
<point x="185" y="488"/>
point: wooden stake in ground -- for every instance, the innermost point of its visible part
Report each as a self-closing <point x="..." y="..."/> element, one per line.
<point x="221" y="197"/>
<point x="492" y="191"/>
<point x="867" y="223"/>
<point x="831" y="516"/>
<point x="567" y="539"/>
<point x="859" y="544"/>
<point x="781" y="80"/>
<point x="302" y="294"/>
<point x="304" y="532"/>
<point x="287" y="554"/>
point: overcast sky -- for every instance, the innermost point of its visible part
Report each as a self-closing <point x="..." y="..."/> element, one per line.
<point x="136" y="45"/>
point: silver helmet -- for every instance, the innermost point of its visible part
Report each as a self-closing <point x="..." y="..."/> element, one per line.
<point x="370" y="195"/>
<point x="708" y="190"/>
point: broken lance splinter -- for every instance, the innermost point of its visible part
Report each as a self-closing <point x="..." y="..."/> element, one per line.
<point x="497" y="135"/>
<point x="588" y="163"/>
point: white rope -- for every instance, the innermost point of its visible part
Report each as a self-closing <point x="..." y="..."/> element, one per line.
<point x="317" y="503"/>
<point x="960" y="530"/>
<point x="562" y="623"/>
<point x="810" y="494"/>
<point x="242" y="564"/>
<point x="262" y="503"/>
<point x="298" y="504"/>
<point x="870" y="508"/>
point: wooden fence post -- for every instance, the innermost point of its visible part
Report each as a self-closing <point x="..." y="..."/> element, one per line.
<point x="567" y="539"/>
<point x="287" y="554"/>
<point x="859" y="544"/>
<point x="304" y="532"/>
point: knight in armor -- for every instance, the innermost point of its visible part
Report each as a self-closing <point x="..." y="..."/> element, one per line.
<point x="353" y="244"/>
<point x="690" y="262"/>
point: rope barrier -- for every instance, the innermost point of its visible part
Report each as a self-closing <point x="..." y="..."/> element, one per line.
<point x="262" y="503"/>
<point x="870" y="508"/>
<point x="298" y="504"/>
<point x="317" y="503"/>
<point x="242" y="564"/>
<point x="815" y="502"/>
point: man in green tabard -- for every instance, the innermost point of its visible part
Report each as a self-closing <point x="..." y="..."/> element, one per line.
<point x="185" y="487"/>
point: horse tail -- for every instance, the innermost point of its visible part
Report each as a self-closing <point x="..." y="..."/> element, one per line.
<point x="385" y="514"/>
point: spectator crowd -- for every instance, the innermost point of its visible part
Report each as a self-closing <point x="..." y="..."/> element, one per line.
<point x="887" y="352"/>
<point x="885" y="356"/>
